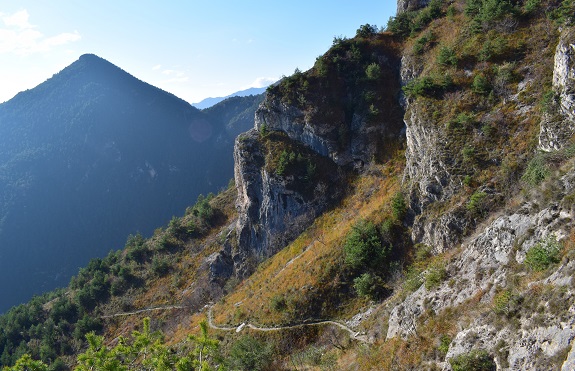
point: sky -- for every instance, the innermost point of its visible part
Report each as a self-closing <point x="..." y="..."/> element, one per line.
<point x="194" y="49"/>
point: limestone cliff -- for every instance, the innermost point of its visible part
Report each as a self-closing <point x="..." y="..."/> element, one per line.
<point x="486" y="269"/>
<point x="558" y="124"/>
<point x="355" y="124"/>
<point x="410" y="5"/>
<point x="275" y="207"/>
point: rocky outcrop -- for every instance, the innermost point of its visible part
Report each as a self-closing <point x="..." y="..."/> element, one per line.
<point x="441" y="232"/>
<point x="558" y="124"/>
<point x="429" y="170"/>
<point x="272" y="208"/>
<point x="485" y="266"/>
<point x="364" y="138"/>
<point x="275" y="115"/>
<point x="339" y="121"/>
<point x="348" y="117"/>
<point x="410" y="5"/>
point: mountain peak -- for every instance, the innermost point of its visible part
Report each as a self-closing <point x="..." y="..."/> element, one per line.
<point x="90" y="56"/>
<point x="93" y="60"/>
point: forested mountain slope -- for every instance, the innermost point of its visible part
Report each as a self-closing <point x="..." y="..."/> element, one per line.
<point x="92" y="155"/>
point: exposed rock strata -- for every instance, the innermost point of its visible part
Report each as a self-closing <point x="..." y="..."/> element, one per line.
<point x="483" y="266"/>
<point x="558" y="125"/>
<point x="410" y="5"/>
<point x="271" y="209"/>
<point x="429" y="170"/>
<point x="340" y="133"/>
<point x="365" y="138"/>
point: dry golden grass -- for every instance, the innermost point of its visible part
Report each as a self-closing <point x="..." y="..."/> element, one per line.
<point x="298" y="271"/>
<point x="171" y="289"/>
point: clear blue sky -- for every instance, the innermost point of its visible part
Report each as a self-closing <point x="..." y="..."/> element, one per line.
<point x="192" y="48"/>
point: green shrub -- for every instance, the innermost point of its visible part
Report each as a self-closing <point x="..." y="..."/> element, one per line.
<point x="447" y="56"/>
<point x="451" y="11"/>
<point x="422" y="252"/>
<point x="411" y="22"/>
<point x="85" y="325"/>
<point x="475" y="360"/>
<point x="537" y="171"/>
<point x="373" y="110"/>
<point x="413" y="279"/>
<point x="283" y="162"/>
<point x="493" y="48"/>
<point x="424" y="86"/>
<point x="202" y="209"/>
<point x="264" y="131"/>
<point x="434" y="276"/>
<point x="531" y="5"/>
<point x="435" y="8"/>
<point x="160" y="266"/>
<point x="543" y="254"/>
<point x="506" y="303"/>
<point x="422" y="19"/>
<point x="484" y="13"/>
<point x="398" y="206"/>
<point x="444" y="342"/>
<point x="279" y="303"/>
<point x="25" y="363"/>
<point x="565" y="13"/>
<point x="401" y="24"/>
<point x="373" y="71"/>
<point x="419" y="45"/>
<point x="366" y="30"/>
<point x="550" y="101"/>
<point x="367" y="285"/>
<point x="480" y="85"/>
<point x="250" y="354"/>
<point x="477" y="203"/>
<point x="363" y="247"/>
<point x="468" y="153"/>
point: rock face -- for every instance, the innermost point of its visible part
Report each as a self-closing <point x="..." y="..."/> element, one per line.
<point x="275" y="115"/>
<point x="486" y="264"/>
<point x="409" y="5"/>
<point x="558" y="125"/>
<point x="272" y="208"/>
<point x="267" y="209"/>
<point x="336" y="132"/>
<point x="325" y="138"/>
<point x="429" y="170"/>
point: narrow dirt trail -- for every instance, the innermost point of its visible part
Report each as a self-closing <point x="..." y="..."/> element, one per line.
<point x="166" y="307"/>
<point x="353" y="334"/>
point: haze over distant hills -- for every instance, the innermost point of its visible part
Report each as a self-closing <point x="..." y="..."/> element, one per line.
<point x="209" y="102"/>
<point x="92" y="155"/>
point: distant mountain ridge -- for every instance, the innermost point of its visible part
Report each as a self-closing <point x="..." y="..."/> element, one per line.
<point x="209" y="102"/>
<point x="90" y="156"/>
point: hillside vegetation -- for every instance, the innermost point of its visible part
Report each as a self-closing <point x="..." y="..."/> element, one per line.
<point x="406" y="204"/>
